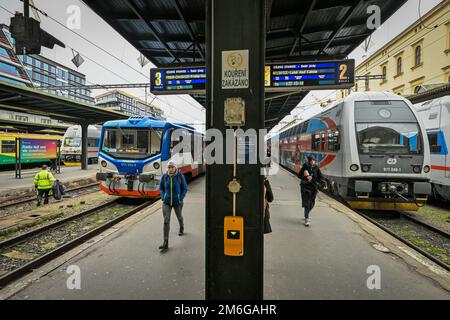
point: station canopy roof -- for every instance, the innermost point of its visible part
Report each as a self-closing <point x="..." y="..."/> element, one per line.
<point x="172" y="33"/>
<point x="15" y="125"/>
<point x="24" y="99"/>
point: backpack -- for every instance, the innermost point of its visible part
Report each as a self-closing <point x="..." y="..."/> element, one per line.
<point x="58" y="190"/>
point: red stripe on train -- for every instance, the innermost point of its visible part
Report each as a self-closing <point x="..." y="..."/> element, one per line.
<point x="126" y="193"/>
<point x="441" y="168"/>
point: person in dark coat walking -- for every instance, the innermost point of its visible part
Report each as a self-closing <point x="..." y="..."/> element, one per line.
<point x="310" y="178"/>
<point x="173" y="189"/>
<point x="268" y="197"/>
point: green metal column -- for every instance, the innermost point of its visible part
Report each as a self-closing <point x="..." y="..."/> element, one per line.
<point x="84" y="146"/>
<point x="234" y="25"/>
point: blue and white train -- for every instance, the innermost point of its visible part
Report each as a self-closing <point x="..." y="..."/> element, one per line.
<point x="134" y="153"/>
<point x="371" y="148"/>
<point x="436" y="117"/>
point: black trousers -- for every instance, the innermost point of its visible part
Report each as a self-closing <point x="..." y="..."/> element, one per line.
<point x="43" y="193"/>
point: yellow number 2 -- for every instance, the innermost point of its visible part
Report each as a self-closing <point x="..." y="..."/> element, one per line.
<point x="343" y="69"/>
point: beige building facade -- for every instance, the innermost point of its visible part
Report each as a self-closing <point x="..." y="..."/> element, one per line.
<point x="419" y="56"/>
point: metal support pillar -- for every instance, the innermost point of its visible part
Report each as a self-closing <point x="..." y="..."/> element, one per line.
<point x="235" y="25"/>
<point x="84" y="146"/>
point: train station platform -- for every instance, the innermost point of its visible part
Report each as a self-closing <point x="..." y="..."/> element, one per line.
<point x="9" y="185"/>
<point x="329" y="260"/>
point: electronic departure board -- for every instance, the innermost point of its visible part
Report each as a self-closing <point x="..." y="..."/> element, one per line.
<point x="278" y="77"/>
<point x="178" y="80"/>
<point x="317" y="75"/>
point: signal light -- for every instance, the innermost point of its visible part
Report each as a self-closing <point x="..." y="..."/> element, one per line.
<point x="156" y="165"/>
<point x="104" y="163"/>
<point x="426" y="169"/>
<point x="354" y="167"/>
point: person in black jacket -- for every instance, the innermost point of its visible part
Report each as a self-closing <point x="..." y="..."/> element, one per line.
<point x="268" y="197"/>
<point x="310" y="178"/>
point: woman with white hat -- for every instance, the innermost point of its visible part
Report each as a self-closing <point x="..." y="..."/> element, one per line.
<point x="173" y="189"/>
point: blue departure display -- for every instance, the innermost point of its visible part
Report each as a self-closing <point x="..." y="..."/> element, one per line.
<point x="278" y="77"/>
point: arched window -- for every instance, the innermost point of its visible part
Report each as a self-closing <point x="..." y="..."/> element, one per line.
<point x="418" y="55"/>
<point x="384" y="73"/>
<point x="399" y="65"/>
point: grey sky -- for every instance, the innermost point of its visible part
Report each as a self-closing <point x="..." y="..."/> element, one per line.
<point x="179" y="108"/>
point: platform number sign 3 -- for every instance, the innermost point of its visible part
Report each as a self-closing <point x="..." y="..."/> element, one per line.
<point x="158" y="79"/>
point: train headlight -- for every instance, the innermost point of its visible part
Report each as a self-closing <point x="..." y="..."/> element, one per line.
<point x="354" y="167"/>
<point x="365" y="168"/>
<point x="156" y="165"/>
<point x="426" y="169"/>
<point x="104" y="164"/>
<point x="416" y="169"/>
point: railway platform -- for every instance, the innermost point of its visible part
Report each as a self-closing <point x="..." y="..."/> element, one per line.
<point x="9" y="185"/>
<point x="341" y="256"/>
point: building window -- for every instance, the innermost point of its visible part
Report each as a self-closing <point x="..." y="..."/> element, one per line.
<point x="356" y="86"/>
<point x="46" y="121"/>
<point x="21" y="118"/>
<point x="367" y="83"/>
<point x="417" y="89"/>
<point x="418" y="55"/>
<point x="399" y="66"/>
<point x="384" y="72"/>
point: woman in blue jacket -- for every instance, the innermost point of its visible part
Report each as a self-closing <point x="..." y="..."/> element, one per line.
<point x="173" y="189"/>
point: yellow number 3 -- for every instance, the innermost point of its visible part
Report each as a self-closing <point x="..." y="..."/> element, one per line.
<point x="158" y="78"/>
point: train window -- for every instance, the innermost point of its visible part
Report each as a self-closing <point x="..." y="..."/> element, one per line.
<point x="8" y="146"/>
<point x="333" y="140"/>
<point x="434" y="142"/>
<point x="127" y="139"/>
<point x="132" y="143"/>
<point x="155" y="141"/>
<point x="92" y="142"/>
<point x="316" y="141"/>
<point x="389" y="138"/>
<point x="322" y="142"/>
<point x="305" y="126"/>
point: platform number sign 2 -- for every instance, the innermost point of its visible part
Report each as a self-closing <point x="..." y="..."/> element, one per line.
<point x="343" y="72"/>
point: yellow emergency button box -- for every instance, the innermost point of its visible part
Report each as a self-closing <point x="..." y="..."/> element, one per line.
<point x="233" y="236"/>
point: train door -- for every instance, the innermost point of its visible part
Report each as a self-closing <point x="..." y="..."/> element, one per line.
<point x="445" y="132"/>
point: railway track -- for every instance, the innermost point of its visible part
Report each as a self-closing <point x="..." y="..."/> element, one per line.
<point x="11" y="207"/>
<point x="25" y="252"/>
<point x="430" y="241"/>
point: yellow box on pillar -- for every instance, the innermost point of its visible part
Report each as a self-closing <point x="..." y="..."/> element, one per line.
<point x="233" y="227"/>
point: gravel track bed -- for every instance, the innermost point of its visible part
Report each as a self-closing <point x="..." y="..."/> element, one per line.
<point x="30" y="205"/>
<point x="20" y="254"/>
<point x="434" y="243"/>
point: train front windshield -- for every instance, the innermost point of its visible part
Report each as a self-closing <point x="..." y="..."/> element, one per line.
<point x="72" y="142"/>
<point x="123" y="143"/>
<point x="387" y="127"/>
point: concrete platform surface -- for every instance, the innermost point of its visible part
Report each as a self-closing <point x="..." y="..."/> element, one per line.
<point x="329" y="260"/>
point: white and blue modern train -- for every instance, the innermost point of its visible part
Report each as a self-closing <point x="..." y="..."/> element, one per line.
<point x="134" y="153"/>
<point x="71" y="145"/>
<point x="436" y="117"/>
<point x="372" y="150"/>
